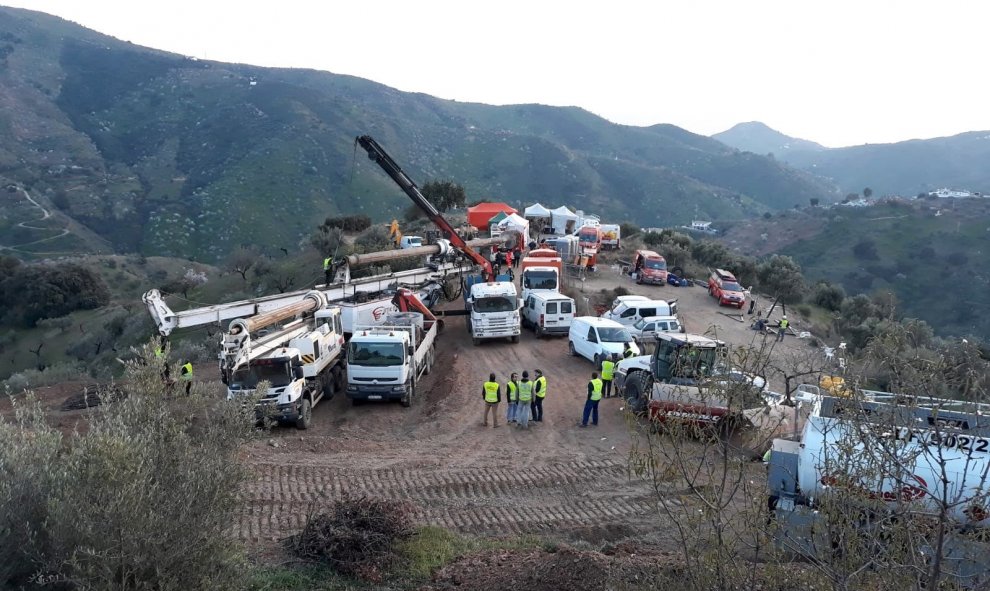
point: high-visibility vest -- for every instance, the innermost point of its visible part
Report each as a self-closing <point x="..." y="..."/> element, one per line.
<point x="187" y="371"/>
<point x="491" y="391"/>
<point x="525" y="391"/>
<point x="159" y="353"/>
<point x="510" y="391"/>
<point x="326" y="264"/>
<point x="608" y="366"/>
<point x="627" y="353"/>
<point x="596" y="389"/>
<point x="542" y="381"/>
<point x="783" y="324"/>
<point x="766" y="456"/>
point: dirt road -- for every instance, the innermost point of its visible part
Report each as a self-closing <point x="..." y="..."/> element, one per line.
<point x="554" y="478"/>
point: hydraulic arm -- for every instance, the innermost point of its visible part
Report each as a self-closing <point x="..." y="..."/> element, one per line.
<point x="378" y="154"/>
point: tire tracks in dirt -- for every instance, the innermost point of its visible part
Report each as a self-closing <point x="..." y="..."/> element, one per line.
<point x="474" y="500"/>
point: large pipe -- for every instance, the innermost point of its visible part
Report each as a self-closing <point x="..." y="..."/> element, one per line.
<point x="421" y="251"/>
<point x="311" y="302"/>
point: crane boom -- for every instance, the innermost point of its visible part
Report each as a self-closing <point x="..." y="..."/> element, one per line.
<point x="167" y="320"/>
<point x="381" y="157"/>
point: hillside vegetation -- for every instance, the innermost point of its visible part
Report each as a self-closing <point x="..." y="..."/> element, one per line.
<point x="137" y="150"/>
<point x="931" y="254"/>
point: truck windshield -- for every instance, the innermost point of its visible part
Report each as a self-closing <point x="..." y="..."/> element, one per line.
<point x="375" y="354"/>
<point x="248" y="378"/>
<point x="730" y="286"/>
<point x="608" y="334"/>
<point x="540" y="280"/>
<point x="495" y="304"/>
<point x="694" y="363"/>
<point x="656" y="265"/>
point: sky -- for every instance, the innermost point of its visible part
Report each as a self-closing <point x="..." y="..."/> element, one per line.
<point x="837" y="72"/>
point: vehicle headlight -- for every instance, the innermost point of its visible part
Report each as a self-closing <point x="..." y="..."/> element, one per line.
<point x="401" y="388"/>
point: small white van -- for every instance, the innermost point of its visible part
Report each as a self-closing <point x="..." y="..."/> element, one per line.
<point x="597" y="338"/>
<point x="629" y="313"/>
<point x="548" y="313"/>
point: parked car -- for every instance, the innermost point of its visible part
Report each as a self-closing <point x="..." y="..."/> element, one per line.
<point x="629" y="313"/>
<point x="647" y="328"/>
<point x="548" y="313"/>
<point x="723" y="286"/>
<point x="597" y="338"/>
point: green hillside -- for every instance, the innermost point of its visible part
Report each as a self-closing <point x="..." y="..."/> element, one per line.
<point x="936" y="265"/>
<point x="137" y="150"/>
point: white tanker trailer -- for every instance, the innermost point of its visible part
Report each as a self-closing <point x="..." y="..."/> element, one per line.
<point x="888" y="453"/>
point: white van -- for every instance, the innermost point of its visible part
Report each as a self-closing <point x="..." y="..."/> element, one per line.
<point x="629" y="313"/>
<point x="647" y="328"/>
<point x="548" y="313"/>
<point x="597" y="338"/>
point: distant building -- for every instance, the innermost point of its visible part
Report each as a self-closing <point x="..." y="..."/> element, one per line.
<point x="951" y="194"/>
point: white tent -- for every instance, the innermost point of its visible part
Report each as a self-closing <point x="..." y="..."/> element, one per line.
<point x="559" y="218"/>
<point x="536" y="211"/>
<point x="515" y="223"/>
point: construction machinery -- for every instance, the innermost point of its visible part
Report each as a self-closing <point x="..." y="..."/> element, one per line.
<point x="492" y="302"/>
<point x="386" y="361"/>
<point x="298" y="349"/>
<point x="684" y="380"/>
<point x="877" y="460"/>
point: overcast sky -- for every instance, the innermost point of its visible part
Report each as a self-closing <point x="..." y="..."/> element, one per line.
<point x="837" y="72"/>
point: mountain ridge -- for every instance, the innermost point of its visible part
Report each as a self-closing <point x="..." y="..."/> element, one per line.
<point x="163" y="154"/>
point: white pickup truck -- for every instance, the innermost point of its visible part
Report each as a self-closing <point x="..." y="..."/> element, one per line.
<point x="385" y="362"/>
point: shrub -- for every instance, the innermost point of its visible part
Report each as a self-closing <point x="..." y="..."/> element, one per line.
<point x="347" y="223"/>
<point x="39" y="291"/>
<point x="358" y="536"/>
<point x="53" y="374"/>
<point x="80" y="508"/>
<point x="804" y="310"/>
<point x="828" y="296"/>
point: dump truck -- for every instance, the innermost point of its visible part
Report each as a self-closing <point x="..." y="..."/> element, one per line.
<point x="386" y="361"/>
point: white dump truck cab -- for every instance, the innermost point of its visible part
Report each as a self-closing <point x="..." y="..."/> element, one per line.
<point x="539" y="279"/>
<point x="494" y="311"/>
<point x="386" y="362"/>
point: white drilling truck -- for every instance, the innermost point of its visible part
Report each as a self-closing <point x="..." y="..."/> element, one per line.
<point x="386" y="362"/>
<point x="301" y="359"/>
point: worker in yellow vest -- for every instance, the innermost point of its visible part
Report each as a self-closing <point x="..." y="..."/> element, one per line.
<point x="186" y="374"/>
<point x="627" y="351"/>
<point x="492" y="395"/>
<point x="608" y="370"/>
<point x="539" y="393"/>
<point x="525" y="399"/>
<point x="512" y="397"/>
<point x="327" y="270"/>
<point x="782" y="327"/>
<point x="591" y="405"/>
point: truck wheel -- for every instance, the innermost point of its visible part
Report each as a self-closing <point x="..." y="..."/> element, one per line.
<point x="407" y="398"/>
<point x="305" y="414"/>
<point x="514" y="338"/>
<point x="638" y="388"/>
<point x="429" y="362"/>
<point x="467" y="322"/>
<point x="570" y="348"/>
<point x="339" y="379"/>
<point x="538" y="330"/>
<point x="329" y="387"/>
<point x="598" y="361"/>
<point x="476" y="341"/>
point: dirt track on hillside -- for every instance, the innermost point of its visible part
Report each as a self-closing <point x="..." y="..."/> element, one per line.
<point x="555" y="478"/>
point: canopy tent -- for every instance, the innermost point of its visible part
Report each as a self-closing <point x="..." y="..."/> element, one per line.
<point x="516" y="224"/>
<point x="480" y="214"/>
<point x="536" y="211"/>
<point x="498" y="218"/>
<point x="559" y="219"/>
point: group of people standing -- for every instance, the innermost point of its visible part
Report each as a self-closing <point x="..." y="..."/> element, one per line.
<point x="509" y="258"/>
<point x="524" y="398"/>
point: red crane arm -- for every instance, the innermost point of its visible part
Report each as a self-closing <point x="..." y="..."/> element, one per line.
<point x="378" y="154"/>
